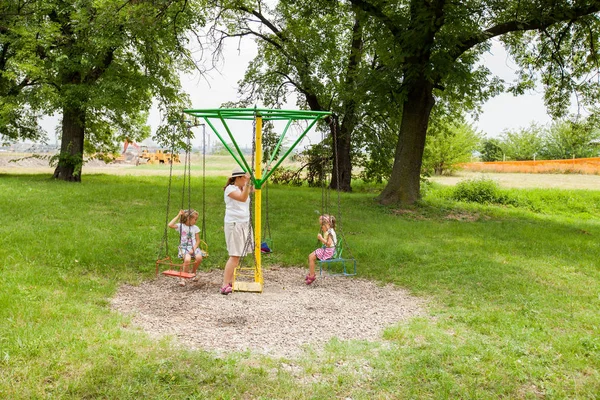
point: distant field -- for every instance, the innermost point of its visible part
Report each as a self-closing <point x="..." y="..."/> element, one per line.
<point x="216" y="165"/>
<point x="221" y="165"/>
<point x="569" y="166"/>
<point x="518" y="180"/>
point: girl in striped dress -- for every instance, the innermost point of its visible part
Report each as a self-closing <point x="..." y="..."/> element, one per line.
<point x="329" y="240"/>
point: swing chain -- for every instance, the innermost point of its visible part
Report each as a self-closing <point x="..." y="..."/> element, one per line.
<point x="248" y="243"/>
<point x="187" y="174"/>
<point x="267" y="230"/>
<point x="165" y="239"/>
<point x="337" y="176"/>
<point x="203" y="237"/>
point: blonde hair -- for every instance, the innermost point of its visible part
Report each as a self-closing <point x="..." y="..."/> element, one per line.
<point x="188" y="214"/>
<point x="328" y="219"/>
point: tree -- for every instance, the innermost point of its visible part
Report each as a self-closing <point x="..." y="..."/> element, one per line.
<point x="447" y="145"/>
<point x="433" y="47"/>
<point x="311" y="48"/>
<point x="523" y="144"/>
<point x="570" y="138"/>
<point x="491" y="150"/>
<point x="100" y="64"/>
<point x="17" y="120"/>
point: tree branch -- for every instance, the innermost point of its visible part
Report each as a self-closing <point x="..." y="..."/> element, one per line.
<point x="378" y="13"/>
<point x="535" y="22"/>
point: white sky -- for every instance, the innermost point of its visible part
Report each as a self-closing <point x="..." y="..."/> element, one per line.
<point x="504" y="112"/>
<point x="507" y="112"/>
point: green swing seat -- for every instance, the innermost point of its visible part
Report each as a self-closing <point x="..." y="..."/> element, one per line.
<point x="337" y="265"/>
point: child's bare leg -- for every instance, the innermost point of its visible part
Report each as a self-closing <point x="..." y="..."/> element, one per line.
<point x="185" y="268"/>
<point x="312" y="258"/>
<point x="197" y="263"/>
<point x="232" y="262"/>
<point x="186" y="262"/>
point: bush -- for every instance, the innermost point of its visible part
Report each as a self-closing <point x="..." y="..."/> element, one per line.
<point x="483" y="191"/>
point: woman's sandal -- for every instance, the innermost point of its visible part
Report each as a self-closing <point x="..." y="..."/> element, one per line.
<point x="226" y="289"/>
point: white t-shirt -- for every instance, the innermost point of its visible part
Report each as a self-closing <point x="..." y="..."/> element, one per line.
<point x="236" y="211"/>
<point x="188" y="235"/>
<point x="331" y="232"/>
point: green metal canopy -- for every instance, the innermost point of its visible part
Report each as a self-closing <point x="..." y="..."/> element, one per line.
<point x="224" y="114"/>
<point x="251" y="113"/>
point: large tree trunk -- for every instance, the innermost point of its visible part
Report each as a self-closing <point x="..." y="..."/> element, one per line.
<point x="405" y="181"/>
<point x="341" y="176"/>
<point x="71" y="149"/>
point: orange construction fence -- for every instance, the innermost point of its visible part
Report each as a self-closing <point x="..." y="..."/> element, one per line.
<point x="573" y="166"/>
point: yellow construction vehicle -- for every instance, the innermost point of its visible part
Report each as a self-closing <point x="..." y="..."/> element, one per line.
<point x="157" y="157"/>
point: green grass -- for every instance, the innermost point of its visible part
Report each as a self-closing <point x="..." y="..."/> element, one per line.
<point x="513" y="295"/>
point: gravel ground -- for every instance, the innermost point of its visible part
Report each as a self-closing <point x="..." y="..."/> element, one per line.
<point x="287" y="317"/>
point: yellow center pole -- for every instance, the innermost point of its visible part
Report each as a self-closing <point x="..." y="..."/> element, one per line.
<point x="258" y="201"/>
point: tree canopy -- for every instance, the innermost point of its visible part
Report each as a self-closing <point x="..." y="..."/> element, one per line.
<point x="100" y="64"/>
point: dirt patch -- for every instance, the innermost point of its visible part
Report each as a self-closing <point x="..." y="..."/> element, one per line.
<point x="287" y="317"/>
<point x="464" y="216"/>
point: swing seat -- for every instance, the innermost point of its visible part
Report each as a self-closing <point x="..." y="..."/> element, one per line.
<point x="179" y="274"/>
<point x="265" y="248"/>
<point x="332" y="264"/>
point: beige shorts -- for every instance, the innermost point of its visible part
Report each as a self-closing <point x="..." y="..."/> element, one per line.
<point x="236" y="237"/>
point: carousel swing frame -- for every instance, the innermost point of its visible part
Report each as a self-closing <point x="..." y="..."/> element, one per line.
<point x="256" y="174"/>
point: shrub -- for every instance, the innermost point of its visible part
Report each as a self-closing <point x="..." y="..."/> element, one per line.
<point x="483" y="191"/>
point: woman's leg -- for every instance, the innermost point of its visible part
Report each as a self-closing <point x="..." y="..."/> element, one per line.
<point x="232" y="262"/>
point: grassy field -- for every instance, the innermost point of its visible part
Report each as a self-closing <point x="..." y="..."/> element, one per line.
<point x="513" y="295"/>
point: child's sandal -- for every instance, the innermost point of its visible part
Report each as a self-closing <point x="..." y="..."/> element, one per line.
<point x="310" y="279"/>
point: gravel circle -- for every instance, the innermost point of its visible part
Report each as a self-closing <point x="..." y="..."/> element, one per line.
<point x="279" y="322"/>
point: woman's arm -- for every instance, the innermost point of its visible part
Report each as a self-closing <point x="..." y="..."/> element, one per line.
<point x="243" y="195"/>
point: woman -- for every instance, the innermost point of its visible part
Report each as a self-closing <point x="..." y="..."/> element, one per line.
<point x="237" y="223"/>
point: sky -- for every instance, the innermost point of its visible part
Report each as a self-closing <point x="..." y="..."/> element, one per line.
<point x="506" y="111"/>
<point x="503" y="112"/>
